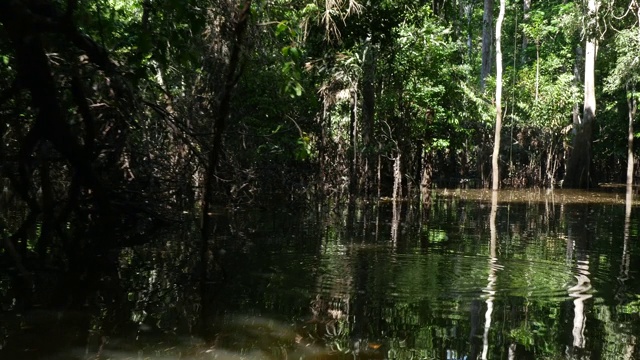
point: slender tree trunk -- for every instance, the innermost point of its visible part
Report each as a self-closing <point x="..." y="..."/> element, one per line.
<point x="379" y="176"/>
<point x="353" y="143"/>
<point x="426" y="156"/>
<point x="368" y="112"/>
<point x="324" y="120"/>
<point x="579" y="165"/>
<point x="633" y="106"/>
<point x="495" y="184"/>
<point x="220" y="113"/>
<point x="425" y="181"/>
<point x="487" y="27"/>
<point x="395" y="222"/>
<point x="467" y="8"/>
<point x="537" y="69"/>
<point x="397" y="178"/>
<point x="526" y="5"/>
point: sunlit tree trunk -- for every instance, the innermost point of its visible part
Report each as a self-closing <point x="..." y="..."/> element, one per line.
<point x="512" y="351"/>
<point x="496" y="143"/>
<point x="578" y="173"/>
<point x="633" y="106"/>
<point x="487" y="27"/>
<point x="395" y="221"/>
<point x="397" y="178"/>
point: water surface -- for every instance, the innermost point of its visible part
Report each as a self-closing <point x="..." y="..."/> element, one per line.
<point x="531" y="275"/>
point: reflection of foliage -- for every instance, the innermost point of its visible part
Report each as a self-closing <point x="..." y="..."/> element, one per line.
<point x="160" y="296"/>
<point x="633" y="307"/>
<point x="403" y="300"/>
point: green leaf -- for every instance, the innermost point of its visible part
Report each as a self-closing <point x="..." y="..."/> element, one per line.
<point x="295" y="52"/>
<point x="282" y="27"/>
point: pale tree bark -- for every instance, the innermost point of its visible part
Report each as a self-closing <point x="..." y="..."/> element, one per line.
<point x="496" y="143"/>
<point x="526" y="6"/>
<point x="632" y="103"/>
<point x="633" y="106"/>
<point x="487" y="26"/>
<point x="578" y="173"/>
<point x="577" y="80"/>
<point x="512" y="351"/>
<point x="537" y="69"/>
<point x="397" y="178"/>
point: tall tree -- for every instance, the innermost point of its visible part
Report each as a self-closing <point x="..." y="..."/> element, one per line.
<point x="578" y="173"/>
<point x="487" y="27"/>
<point x="496" y="144"/>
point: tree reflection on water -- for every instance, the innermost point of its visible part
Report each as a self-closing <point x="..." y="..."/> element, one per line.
<point x="514" y="275"/>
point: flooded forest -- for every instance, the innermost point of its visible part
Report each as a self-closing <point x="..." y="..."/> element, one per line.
<point x="339" y="179"/>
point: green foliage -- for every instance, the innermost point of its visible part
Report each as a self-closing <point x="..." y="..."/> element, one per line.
<point x="627" y="63"/>
<point x="428" y="74"/>
<point x="538" y="27"/>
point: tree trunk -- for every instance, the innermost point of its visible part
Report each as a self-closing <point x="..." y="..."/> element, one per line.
<point x="633" y="106"/>
<point x="578" y="173"/>
<point x="397" y="178"/>
<point x="495" y="184"/>
<point x="487" y="26"/>
<point x="537" y="70"/>
<point x="526" y="6"/>
<point x="353" y="143"/>
<point x="368" y="112"/>
<point x="426" y="178"/>
<point x="379" y="176"/>
<point x="220" y="116"/>
<point x="467" y="10"/>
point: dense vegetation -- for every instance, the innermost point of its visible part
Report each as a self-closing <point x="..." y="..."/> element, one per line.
<point x="119" y="116"/>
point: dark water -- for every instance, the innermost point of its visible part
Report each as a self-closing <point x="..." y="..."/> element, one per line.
<point x="532" y="276"/>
